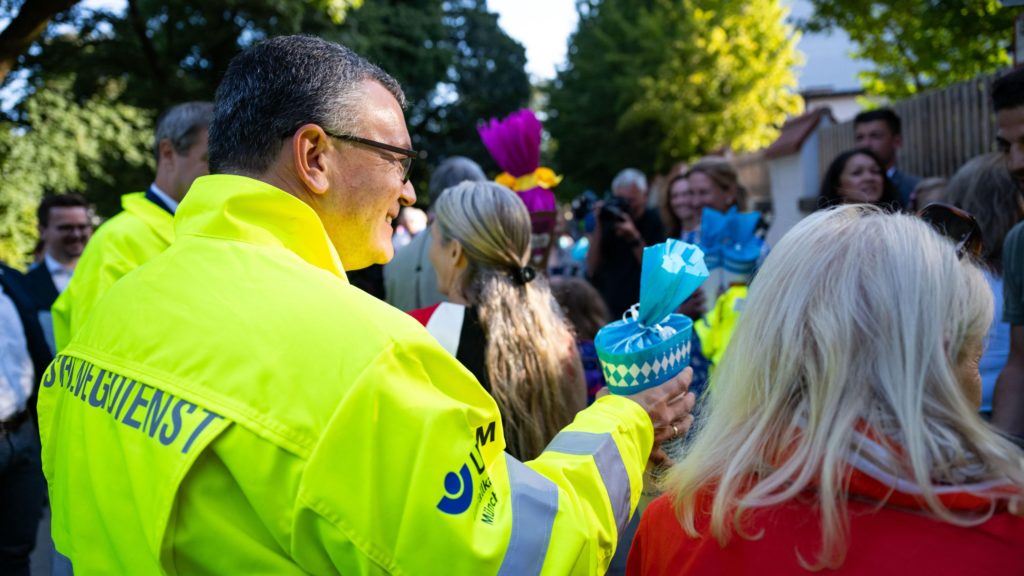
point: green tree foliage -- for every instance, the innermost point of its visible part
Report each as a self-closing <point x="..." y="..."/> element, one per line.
<point x="456" y="65"/>
<point x="486" y="79"/>
<point x="921" y="44"/>
<point x="83" y="146"/>
<point x="651" y="82"/>
<point x="114" y="71"/>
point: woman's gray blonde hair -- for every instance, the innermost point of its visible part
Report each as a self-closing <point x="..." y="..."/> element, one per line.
<point x="857" y="320"/>
<point x="532" y="362"/>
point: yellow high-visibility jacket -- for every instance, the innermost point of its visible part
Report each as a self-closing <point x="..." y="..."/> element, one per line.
<point x="716" y="327"/>
<point x="119" y="246"/>
<point x="237" y="407"/>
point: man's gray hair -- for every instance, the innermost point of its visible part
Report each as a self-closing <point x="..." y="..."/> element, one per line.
<point x="452" y="171"/>
<point x="272" y="88"/>
<point x="630" y="177"/>
<point x="181" y="125"/>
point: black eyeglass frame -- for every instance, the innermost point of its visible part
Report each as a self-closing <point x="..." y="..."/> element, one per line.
<point x="410" y="155"/>
<point x="968" y="243"/>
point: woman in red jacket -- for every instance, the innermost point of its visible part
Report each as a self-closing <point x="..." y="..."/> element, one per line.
<point x="843" y="430"/>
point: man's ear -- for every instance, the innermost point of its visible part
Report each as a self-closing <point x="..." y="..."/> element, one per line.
<point x="309" y="151"/>
<point x="897" y="141"/>
<point x="166" y="150"/>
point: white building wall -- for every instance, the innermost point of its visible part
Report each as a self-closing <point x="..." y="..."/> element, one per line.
<point x="794" y="177"/>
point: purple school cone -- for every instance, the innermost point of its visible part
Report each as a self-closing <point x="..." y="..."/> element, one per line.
<point x="514" y="143"/>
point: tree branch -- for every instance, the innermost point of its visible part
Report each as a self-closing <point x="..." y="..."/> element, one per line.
<point x="139" y="26"/>
<point x="23" y="30"/>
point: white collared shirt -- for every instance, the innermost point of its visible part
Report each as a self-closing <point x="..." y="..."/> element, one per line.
<point x="167" y="200"/>
<point x="15" y="364"/>
<point x="60" y="273"/>
<point x="890" y="172"/>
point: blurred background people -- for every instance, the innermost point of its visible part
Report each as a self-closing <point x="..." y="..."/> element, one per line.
<point x="715" y="183"/>
<point x="624" y="226"/>
<point x="984" y="188"/>
<point x="410" y="222"/>
<point x="586" y="313"/>
<point x="679" y="210"/>
<point x="928" y="190"/>
<point x="857" y="177"/>
<point x="23" y="360"/>
<point x="410" y="281"/>
<point x="65" y="227"/>
<point x="881" y="131"/>
<point x="1008" y="398"/>
<point x="145" y="227"/>
<point x="843" y="431"/>
<point x="501" y="320"/>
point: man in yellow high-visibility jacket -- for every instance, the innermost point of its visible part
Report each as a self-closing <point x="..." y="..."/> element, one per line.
<point x="234" y="406"/>
<point x="145" y="227"/>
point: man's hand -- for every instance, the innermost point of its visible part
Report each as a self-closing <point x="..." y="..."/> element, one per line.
<point x="669" y="406"/>
<point x="626" y="229"/>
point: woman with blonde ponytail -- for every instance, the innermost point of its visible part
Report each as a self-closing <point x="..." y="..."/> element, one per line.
<point x="843" y="432"/>
<point x="501" y="319"/>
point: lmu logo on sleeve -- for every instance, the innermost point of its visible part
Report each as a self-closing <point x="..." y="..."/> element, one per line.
<point x="458" y="487"/>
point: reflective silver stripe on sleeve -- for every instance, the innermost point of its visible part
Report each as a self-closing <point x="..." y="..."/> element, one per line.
<point x="534" y="505"/>
<point x="609" y="464"/>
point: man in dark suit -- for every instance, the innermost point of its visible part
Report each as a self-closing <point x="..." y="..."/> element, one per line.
<point x="22" y="487"/>
<point x="881" y="131"/>
<point x="64" y="229"/>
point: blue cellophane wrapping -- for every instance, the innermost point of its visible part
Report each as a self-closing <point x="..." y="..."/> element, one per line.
<point x="651" y="343"/>
<point x="731" y="249"/>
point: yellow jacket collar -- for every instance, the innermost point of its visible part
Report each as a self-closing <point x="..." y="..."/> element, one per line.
<point x="152" y="215"/>
<point x="247" y="210"/>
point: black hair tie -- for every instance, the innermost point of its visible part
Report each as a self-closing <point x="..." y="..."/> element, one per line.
<point x="524" y="275"/>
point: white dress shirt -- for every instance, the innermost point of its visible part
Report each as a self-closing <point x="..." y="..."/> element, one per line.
<point x="168" y="201"/>
<point x="15" y="363"/>
<point x="60" y="273"/>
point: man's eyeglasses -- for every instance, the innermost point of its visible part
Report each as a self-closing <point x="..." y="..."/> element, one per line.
<point x="955" y="224"/>
<point x="407" y="155"/>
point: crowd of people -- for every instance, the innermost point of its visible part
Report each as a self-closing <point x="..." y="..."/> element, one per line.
<point x="199" y="388"/>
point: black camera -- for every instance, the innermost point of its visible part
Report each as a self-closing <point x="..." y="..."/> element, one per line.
<point x="614" y="210"/>
<point x="583" y="205"/>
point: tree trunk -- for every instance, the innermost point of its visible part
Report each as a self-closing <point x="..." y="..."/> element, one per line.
<point x="23" y="30"/>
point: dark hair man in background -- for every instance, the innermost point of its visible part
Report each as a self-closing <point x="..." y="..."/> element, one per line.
<point x="881" y="131"/>
<point x="64" y="229"/>
<point x="1008" y="398"/>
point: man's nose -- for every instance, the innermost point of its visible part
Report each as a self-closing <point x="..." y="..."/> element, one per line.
<point x="408" y="195"/>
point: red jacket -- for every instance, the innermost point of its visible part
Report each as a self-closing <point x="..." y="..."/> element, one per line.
<point x="882" y="541"/>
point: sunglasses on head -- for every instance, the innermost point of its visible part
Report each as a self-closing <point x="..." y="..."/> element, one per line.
<point x="955" y="224"/>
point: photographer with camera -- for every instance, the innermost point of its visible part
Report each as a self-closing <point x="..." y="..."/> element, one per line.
<point x="625" y="225"/>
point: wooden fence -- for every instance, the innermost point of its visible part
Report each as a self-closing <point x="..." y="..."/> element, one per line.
<point x="942" y="129"/>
